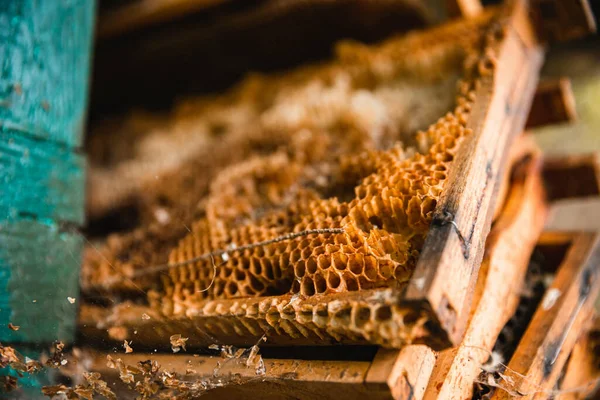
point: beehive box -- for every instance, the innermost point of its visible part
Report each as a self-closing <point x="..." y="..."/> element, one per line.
<point x="361" y="245"/>
<point x="502" y="354"/>
<point x="320" y="151"/>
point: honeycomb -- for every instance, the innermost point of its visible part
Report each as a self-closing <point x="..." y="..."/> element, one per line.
<point x="348" y="159"/>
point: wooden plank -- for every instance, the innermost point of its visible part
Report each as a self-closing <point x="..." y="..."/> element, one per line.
<point x="524" y="146"/>
<point x="448" y="266"/>
<point x="43" y="89"/>
<point x="582" y="372"/>
<point x="563" y="20"/>
<point x="508" y="250"/>
<point x="142" y="13"/>
<point x="392" y="374"/>
<point x="40" y="179"/>
<point x="282" y="378"/>
<point x="46" y="51"/>
<point x="553" y="103"/>
<point x="404" y="373"/>
<point x="568" y="304"/>
<point x="39" y="267"/>
<point x="464" y="8"/>
<point x="574" y="215"/>
<point x="573" y="184"/>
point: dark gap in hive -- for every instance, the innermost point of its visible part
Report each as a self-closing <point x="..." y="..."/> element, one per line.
<point x="216" y="52"/>
<point x="120" y="219"/>
<point x="571" y="182"/>
<point x="542" y="267"/>
<point x="324" y="353"/>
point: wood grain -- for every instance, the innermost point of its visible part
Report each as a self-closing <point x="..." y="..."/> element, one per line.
<point x="557" y="323"/>
<point x="508" y="251"/>
<point x="404" y="373"/>
<point x="301" y="379"/>
<point x="447" y="266"/>
<point x="46" y="53"/>
<point x="582" y="372"/>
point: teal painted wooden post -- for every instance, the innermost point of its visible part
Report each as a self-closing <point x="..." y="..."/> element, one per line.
<point x="45" y="52"/>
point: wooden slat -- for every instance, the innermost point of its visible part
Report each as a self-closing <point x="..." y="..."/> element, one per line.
<point x="38" y="270"/>
<point x="582" y="372"/>
<point x="448" y="267"/>
<point x="46" y="54"/>
<point x="305" y="380"/>
<point x="464" y="8"/>
<point x="563" y="20"/>
<point x="508" y="250"/>
<point x="553" y="103"/>
<point x="142" y="13"/>
<point x="46" y="51"/>
<point x="556" y="325"/>
<point x="40" y="179"/>
<point x="404" y="373"/>
<point x="574" y="215"/>
<point x="524" y="146"/>
<point x="573" y="186"/>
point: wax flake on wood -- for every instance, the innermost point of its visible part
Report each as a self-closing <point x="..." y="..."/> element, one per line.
<point x="127" y="347"/>
<point x="177" y="343"/>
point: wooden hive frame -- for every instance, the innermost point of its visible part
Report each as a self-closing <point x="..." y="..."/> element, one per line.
<point x="418" y="372"/>
<point x="442" y="284"/>
<point x="415" y="371"/>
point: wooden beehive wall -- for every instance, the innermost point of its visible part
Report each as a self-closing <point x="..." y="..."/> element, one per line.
<point x="45" y="49"/>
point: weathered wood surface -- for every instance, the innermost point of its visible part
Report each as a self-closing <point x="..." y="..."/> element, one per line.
<point x="283" y="378"/>
<point x="553" y="103"/>
<point x="392" y="374"/>
<point x="403" y="373"/>
<point x="46" y="52"/>
<point x="43" y="89"/>
<point x="508" y="251"/>
<point x="582" y="372"/>
<point x="564" y="311"/>
<point x="448" y="266"/>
